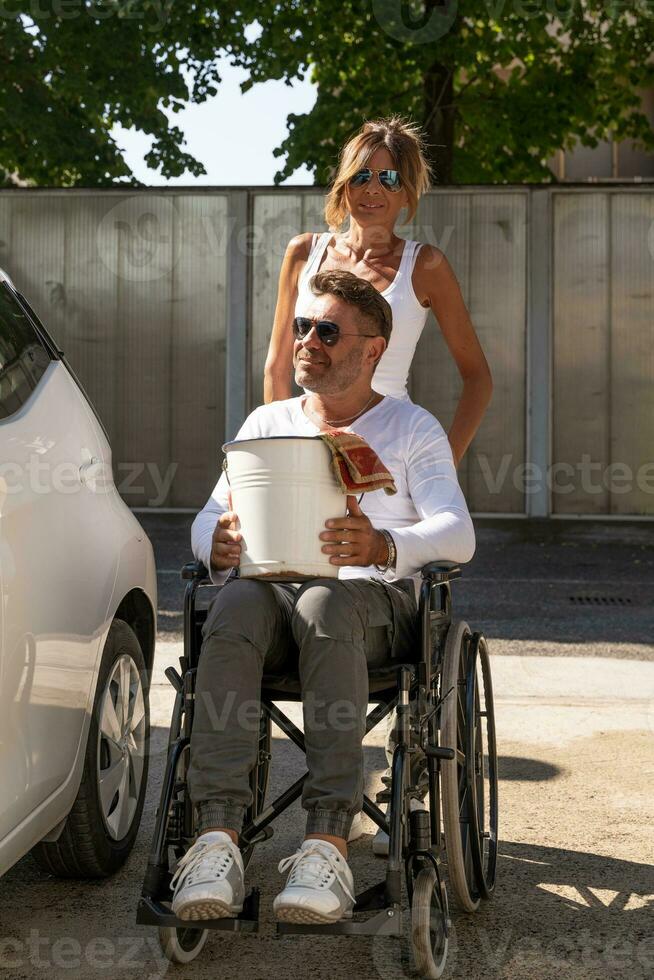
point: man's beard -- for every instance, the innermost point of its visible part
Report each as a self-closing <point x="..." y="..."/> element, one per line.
<point x="334" y="381"/>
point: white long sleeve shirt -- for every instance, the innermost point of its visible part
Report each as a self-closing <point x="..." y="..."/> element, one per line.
<point x="427" y="517"/>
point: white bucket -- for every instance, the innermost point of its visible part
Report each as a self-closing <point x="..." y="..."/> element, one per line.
<point x="283" y="490"/>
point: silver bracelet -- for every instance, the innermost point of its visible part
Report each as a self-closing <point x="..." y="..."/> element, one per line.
<point x="392" y="552"/>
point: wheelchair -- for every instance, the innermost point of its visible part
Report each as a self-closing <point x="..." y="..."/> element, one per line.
<point x="445" y="737"/>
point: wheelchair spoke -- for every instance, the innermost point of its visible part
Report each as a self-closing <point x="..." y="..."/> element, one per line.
<point x="463" y="805"/>
<point x="460" y="709"/>
<point x="468" y="856"/>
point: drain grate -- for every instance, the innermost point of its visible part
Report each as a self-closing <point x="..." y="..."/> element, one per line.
<point x="601" y="600"/>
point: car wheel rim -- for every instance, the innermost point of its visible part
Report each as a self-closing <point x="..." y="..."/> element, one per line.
<point x="121" y="747"/>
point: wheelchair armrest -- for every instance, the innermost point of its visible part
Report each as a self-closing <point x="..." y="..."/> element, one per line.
<point x="195" y="570"/>
<point x="441" y="571"/>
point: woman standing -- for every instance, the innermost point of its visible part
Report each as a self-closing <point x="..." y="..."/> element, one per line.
<point x="383" y="169"/>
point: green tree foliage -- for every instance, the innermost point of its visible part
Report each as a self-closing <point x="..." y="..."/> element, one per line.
<point x="498" y="85"/>
<point x="72" y="69"/>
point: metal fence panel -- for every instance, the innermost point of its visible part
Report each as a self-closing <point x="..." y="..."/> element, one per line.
<point x="197" y="396"/>
<point x="581" y="344"/>
<point x="132" y="286"/>
<point x="277" y="218"/>
<point x="603" y="359"/>
<point x="631" y="478"/>
<point x="35" y="255"/>
<point x="443" y="220"/>
<point x="483" y="236"/>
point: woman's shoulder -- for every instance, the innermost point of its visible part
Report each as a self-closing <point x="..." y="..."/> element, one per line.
<point x="432" y="271"/>
<point x="299" y="246"/>
<point x="430" y="258"/>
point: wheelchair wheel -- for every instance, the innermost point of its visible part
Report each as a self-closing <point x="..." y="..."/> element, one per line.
<point x="480" y="736"/>
<point x="429" y="914"/>
<point x="455" y="775"/>
<point x="182" y="945"/>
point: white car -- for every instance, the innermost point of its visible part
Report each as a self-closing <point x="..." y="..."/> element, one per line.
<point x="78" y="601"/>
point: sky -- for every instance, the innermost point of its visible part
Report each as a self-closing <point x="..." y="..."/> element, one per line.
<point x="232" y="134"/>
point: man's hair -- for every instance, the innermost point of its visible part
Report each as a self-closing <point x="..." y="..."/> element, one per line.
<point x="358" y="293"/>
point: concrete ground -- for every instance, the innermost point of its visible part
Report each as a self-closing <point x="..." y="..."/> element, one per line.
<point x="567" y="609"/>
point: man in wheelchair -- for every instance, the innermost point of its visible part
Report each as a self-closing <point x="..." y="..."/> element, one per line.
<point x="328" y="631"/>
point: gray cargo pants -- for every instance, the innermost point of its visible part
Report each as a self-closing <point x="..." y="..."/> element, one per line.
<point x="329" y="631"/>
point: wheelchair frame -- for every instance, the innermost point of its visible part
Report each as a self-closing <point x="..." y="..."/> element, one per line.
<point x="415" y="839"/>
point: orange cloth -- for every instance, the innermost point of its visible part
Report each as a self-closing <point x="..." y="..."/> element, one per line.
<point x="357" y="467"/>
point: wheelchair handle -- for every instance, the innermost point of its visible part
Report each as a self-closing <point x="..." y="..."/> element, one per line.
<point x="441" y="571"/>
<point x="440" y="752"/>
<point x="194" y="570"/>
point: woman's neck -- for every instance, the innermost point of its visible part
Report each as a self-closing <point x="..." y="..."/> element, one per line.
<point x="370" y="242"/>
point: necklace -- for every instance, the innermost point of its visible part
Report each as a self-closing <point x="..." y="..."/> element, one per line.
<point x="340" y="421"/>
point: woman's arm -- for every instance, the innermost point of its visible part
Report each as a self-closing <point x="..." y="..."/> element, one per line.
<point x="278" y="369"/>
<point x="437" y="284"/>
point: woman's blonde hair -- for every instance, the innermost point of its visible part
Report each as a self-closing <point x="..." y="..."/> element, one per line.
<point x="403" y="140"/>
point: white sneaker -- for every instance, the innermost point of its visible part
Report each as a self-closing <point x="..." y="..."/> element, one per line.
<point x="320" y="886"/>
<point x="209" y="879"/>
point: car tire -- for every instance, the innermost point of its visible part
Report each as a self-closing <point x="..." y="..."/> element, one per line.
<point x="99" y="832"/>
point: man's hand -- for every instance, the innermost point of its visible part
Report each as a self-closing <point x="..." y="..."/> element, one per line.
<point x="353" y="540"/>
<point x="226" y="542"/>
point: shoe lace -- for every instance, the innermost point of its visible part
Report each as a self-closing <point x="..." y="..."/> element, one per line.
<point x="314" y="866"/>
<point x="214" y="857"/>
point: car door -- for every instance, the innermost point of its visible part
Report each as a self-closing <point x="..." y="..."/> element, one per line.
<point x="57" y="563"/>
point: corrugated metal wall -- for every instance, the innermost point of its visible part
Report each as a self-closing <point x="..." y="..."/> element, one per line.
<point x="136" y="285"/>
<point x="603" y="357"/>
<point x="133" y="289"/>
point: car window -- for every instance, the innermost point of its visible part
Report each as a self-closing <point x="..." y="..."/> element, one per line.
<point x="23" y="358"/>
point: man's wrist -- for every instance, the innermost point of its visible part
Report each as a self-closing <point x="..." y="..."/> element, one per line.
<point x="382" y="549"/>
<point x="388" y="553"/>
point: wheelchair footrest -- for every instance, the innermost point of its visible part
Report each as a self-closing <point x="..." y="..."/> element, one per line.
<point x="150" y="912"/>
<point x="388" y="922"/>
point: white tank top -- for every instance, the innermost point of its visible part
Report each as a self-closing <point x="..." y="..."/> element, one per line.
<point x="409" y="316"/>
